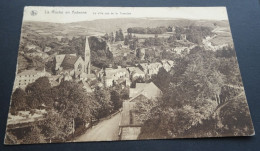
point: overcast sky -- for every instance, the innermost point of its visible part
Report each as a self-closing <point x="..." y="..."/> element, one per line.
<point x="75" y="14"/>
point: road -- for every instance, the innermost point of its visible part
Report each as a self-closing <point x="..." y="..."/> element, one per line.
<point x="106" y="130"/>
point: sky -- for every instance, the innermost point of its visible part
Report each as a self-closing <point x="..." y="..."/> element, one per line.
<point x="75" y="14"/>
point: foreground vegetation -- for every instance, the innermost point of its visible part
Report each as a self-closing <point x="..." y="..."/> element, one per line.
<point x="202" y="97"/>
<point x="69" y="109"/>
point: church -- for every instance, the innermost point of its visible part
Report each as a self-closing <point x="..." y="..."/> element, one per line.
<point x="74" y="66"/>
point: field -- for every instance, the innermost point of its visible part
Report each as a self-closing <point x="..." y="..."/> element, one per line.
<point x="222" y="38"/>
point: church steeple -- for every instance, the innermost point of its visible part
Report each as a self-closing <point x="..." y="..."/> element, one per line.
<point x="87" y="56"/>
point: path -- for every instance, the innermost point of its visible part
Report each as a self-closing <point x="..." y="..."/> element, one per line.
<point x="106" y="130"/>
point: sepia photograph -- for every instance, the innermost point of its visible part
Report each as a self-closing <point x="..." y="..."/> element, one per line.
<point x="89" y="74"/>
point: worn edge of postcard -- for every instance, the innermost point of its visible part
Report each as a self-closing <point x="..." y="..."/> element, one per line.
<point x="40" y="68"/>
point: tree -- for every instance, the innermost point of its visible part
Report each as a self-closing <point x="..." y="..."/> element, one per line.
<point x="133" y="43"/>
<point x="11" y="138"/>
<point x="50" y="66"/>
<point x="18" y="102"/>
<point x="169" y="29"/>
<point x="121" y="35"/>
<point x="101" y="56"/>
<point x="162" y="79"/>
<point x="126" y="41"/>
<point x="103" y="97"/>
<point x="34" y="136"/>
<point x="72" y="102"/>
<point x="56" y="126"/>
<point x="38" y="93"/>
<point x="117" y="37"/>
<point x="106" y="37"/>
<point x="139" y="53"/>
<point x="115" y="98"/>
<point x="111" y="37"/>
<point x="191" y="97"/>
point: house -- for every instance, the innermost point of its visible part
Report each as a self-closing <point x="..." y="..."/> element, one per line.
<point x="167" y="64"/>
<point x="85" y="85"/>
<point x="150" y="68"/>
<point x="130" y="125"/>
<point x="28" y="76"/>
<point x="180" y="50"/>
<point x="47" y="49"/>
<point x="42" y="55"/>
<point x="113" y="76"/>
<point x="135" y="72"/>
<point x="55" y="80"/>
<point x="149" y="90"/>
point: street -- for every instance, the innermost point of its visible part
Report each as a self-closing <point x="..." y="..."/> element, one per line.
<point x="106" y="130"/>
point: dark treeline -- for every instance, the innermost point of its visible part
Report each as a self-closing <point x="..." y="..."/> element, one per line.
<point x="156" y="30"/>
<point x="194" y="34"/>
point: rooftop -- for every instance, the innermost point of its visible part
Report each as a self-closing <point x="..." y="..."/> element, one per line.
<point x="150" y="90"/>
<point x="30" y="72"/>
<point x="135" y="69"/>
<point x="110" y="72"/>
<point x="69" y="61"/>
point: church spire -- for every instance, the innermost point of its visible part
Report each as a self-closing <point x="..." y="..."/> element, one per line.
<point x="87" y="56"/>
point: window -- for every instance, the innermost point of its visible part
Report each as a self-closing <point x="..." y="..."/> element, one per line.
<point x="79" y="67"/>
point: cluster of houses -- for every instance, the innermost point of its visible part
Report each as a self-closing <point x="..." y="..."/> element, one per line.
<point x="67" y="67"/>
<point x="73" y="67"/>
<point x="111" y="76"/>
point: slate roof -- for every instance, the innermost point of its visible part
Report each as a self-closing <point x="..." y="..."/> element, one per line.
<point x="128" y="117"/>
<point x="29" y="72"/>
<point x="69" y="61"/>
<point x="142" y="91"/>
<point x="149" y="90"/>
<point x="135" y="69"/>
<point x="112" y="72"/>
<point x="59" y="58"/>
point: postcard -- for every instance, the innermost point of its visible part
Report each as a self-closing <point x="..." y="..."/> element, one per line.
<point x="126" y="73"/>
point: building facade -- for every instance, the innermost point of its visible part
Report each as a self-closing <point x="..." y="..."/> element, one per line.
<point x="130" y="125"/>
<point x="28" y="76"/>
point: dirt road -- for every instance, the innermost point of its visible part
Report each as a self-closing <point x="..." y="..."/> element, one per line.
<point x="106" y="130"/>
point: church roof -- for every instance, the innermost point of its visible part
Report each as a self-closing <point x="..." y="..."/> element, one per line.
<point x="69" y="61"/>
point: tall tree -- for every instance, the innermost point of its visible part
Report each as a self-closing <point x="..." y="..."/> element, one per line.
<point x="34" y="136"/>
<point x="38" y="93"/>
<point x="18" y="102"/>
